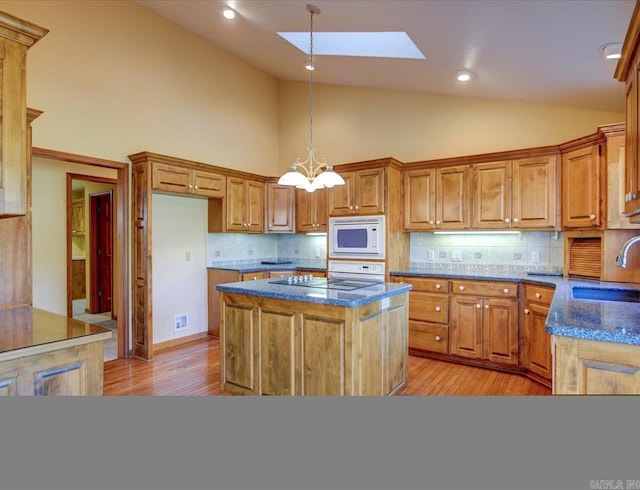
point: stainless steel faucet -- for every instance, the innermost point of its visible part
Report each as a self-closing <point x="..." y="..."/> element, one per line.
<point x="621" y="260"/>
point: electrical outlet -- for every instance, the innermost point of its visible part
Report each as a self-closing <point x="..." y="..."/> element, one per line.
<point x="477" y="255"/>
<point x="535" y="256"/>
<point x="250" y="252"/>
<point x="317" y="252"/>
<point x="517" y="256"/>
<point x="217" y="253"/>
<point x="181" y="322"/>
<point x="187" y="255"/>
<point x="456" y="256"/>
<point x="296" y="252"/>
<point x="431" y="255"/>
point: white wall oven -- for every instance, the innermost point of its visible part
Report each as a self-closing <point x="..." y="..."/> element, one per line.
<point x="357" y="237"/>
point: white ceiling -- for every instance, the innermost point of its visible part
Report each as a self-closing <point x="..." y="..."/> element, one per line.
<point x="533" y="51"/>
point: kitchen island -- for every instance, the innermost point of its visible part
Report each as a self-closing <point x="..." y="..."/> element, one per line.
<point x="42" y="353"/>
<point x="314" y="337"/>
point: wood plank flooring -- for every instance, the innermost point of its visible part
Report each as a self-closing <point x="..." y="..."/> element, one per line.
<point x="194" y="369"/>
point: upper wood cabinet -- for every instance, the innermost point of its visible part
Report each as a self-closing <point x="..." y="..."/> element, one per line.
<point x="77" y="217"/>
<point x="436" y="198"/>
<point x="518" y="194"/>
<point x="16" y="36"/>
<point x="280" y="208"/>
<point x="582" y="196"/>
<point x="363" y="193"/>
<point x="311" y="211"/>
<point x="183" y="180"/>
<point x="245" y="205"/>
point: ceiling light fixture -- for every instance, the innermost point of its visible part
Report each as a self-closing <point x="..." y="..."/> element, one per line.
<point x="311" y="174"/>
<point x="463" y="75"/>
<point x="229" y="13"/>
<point x="612" y="50"/>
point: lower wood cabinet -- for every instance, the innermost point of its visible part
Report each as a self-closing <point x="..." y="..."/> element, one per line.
<point x="271" y="346"/>
<point x="484" y="327"/>
<point x="590" y="367"/>
<point x="536" y="354"/>
<point x="428" y="313"/>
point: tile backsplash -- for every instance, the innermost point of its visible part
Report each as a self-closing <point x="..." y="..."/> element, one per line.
<point x="533" y="249"/>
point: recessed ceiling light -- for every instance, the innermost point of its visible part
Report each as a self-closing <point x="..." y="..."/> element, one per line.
<point x="612" y="50"/>
<point x="229" y="13"/>
<point x="463" y="75"/>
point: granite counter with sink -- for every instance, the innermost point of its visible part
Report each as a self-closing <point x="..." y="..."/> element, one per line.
<point x="569" y="316"/>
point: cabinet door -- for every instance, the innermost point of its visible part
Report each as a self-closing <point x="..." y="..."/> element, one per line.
<point x="77" y="217"/>
<point x="581" y="188"/>
<point x="311" y="211"/>
<point x="278" y="337"/>
<point x="208" y="184"/>
<point x="537" y="342"/>
<point x="254" y="211"/>
<point x="13" y="128"/>
<point x="491" y="195"/>
<point x="632" y="186"/>
<point x="280" y="206"/>
<point x="236" y="197"/>
<point x="534" y="193"/>
<point x="465" y="329"/>
<point x="500" y="330"/>
<point x="341" y="197"/>
<point x="171" y="178"/>
<point x="452" y="198"/>
<point x="238" y="348"/>
<point x="419" y="199"/>
<point x="369" y="191"/>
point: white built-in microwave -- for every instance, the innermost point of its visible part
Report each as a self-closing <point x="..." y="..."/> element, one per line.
<point x="357" y="237"/>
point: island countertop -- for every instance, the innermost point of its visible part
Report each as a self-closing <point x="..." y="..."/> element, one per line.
<point x="357" y="297"/>
<point x="33" y="329"/>
<point x="609" y="321"/>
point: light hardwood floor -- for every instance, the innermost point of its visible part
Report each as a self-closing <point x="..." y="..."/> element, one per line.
<point x="194" y="369"/>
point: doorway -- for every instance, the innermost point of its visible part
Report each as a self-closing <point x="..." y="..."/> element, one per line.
<point x="100" y="248"/>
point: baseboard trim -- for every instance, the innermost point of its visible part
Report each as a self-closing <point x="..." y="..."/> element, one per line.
<point x="179" y="341"/>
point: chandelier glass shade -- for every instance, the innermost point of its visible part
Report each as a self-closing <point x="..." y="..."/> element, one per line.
<point x="311" y="174"/>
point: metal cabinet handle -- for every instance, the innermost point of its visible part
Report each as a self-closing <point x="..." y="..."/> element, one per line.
<point x="538" y="295"/>
<point x="438" y="286"/>
<point x="515" y="220"/>
<point x="486" y="307"/>
<point x="478" y="306"/>
<point x="461" y="288"/>
<point x="505" y="291"/>
<point x="350" y="207"/>
<point x="526" y="311"/>
<point x="507" y="220"/>
<point x="437" y="222"/>
<point x="437" y="338"/>
<point x="430" y="221"/>
<point x="357" y="207"/>
<point x="592" y="216"/>
<point x="438" y="308"/>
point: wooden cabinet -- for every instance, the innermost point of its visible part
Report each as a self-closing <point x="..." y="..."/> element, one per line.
<point x="436" y="199"/>
<point x="428" y="313"/>
<point x="79" y="281"/>
<point x="484" y="321"/>
<point x="77" y="217"/>
<point x="280" y="208"/>
<point x="582" y="196"/>
<point x="16" y="37"/>
<point x="590" y="367"/>
<point x="222" y="276"/>
<point x="187" y="181"/>
<point x="518" y="194"/>
<point x="627" y="72"/>
<point x="363" y="193"/>
<point x="536" y="355"/>
<point x="281" y="273"/>
<point x="314" y="273"/>
<point x="311" y="211"/>
<point x="270" y="346"/>
<point x="245" y="205"/>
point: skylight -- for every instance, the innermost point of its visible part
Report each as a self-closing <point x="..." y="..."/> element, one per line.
<point x="369" y="44"/>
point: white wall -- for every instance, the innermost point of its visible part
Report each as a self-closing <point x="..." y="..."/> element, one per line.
<point x="49" y="229"/>
<point x="178" y="285"/>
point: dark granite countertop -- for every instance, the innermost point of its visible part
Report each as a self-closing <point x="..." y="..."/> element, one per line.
<point x="357" y="297"/>
<point x="609" y="321"/>
<point x="257" y="266"/>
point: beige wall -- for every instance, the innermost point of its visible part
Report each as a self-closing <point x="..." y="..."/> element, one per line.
<point x="114" y="78"/>
<point x="354" y="123"/>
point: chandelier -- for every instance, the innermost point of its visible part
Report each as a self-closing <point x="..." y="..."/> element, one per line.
<point x="311" y="174"/>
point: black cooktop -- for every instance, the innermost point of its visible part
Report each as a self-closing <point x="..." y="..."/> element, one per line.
<point x="324" y="283"/>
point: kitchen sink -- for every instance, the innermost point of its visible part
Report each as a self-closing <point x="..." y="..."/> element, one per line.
<point x="624" y="295"/>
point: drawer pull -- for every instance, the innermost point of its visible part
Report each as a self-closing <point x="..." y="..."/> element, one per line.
<point x="438" y="308"/>
<point x="538" y="295"/>
<point x="461" y="288"/>
<point x="526" y="311"/>
<point x="478" y="306"/>
<point x="505" y="291"/>
<point x="437" y="338"/>
<point x="592" y="216"/>
<point x="486" y="307"/>
<point x="438" y="286"/>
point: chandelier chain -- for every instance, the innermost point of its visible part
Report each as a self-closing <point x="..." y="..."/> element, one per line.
<point x="311" y="83"/>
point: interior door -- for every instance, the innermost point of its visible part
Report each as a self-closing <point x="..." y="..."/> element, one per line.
<point x="101" y="251"/>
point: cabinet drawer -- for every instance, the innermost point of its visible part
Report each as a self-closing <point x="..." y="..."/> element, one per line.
<point x="429" y="307"/>
<point x="429" y="336"/>
<point x="253" y="276"/>
<point x="538" y="294"/>
<point x="428" y="285"/>
<point x="485" y="288"/>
